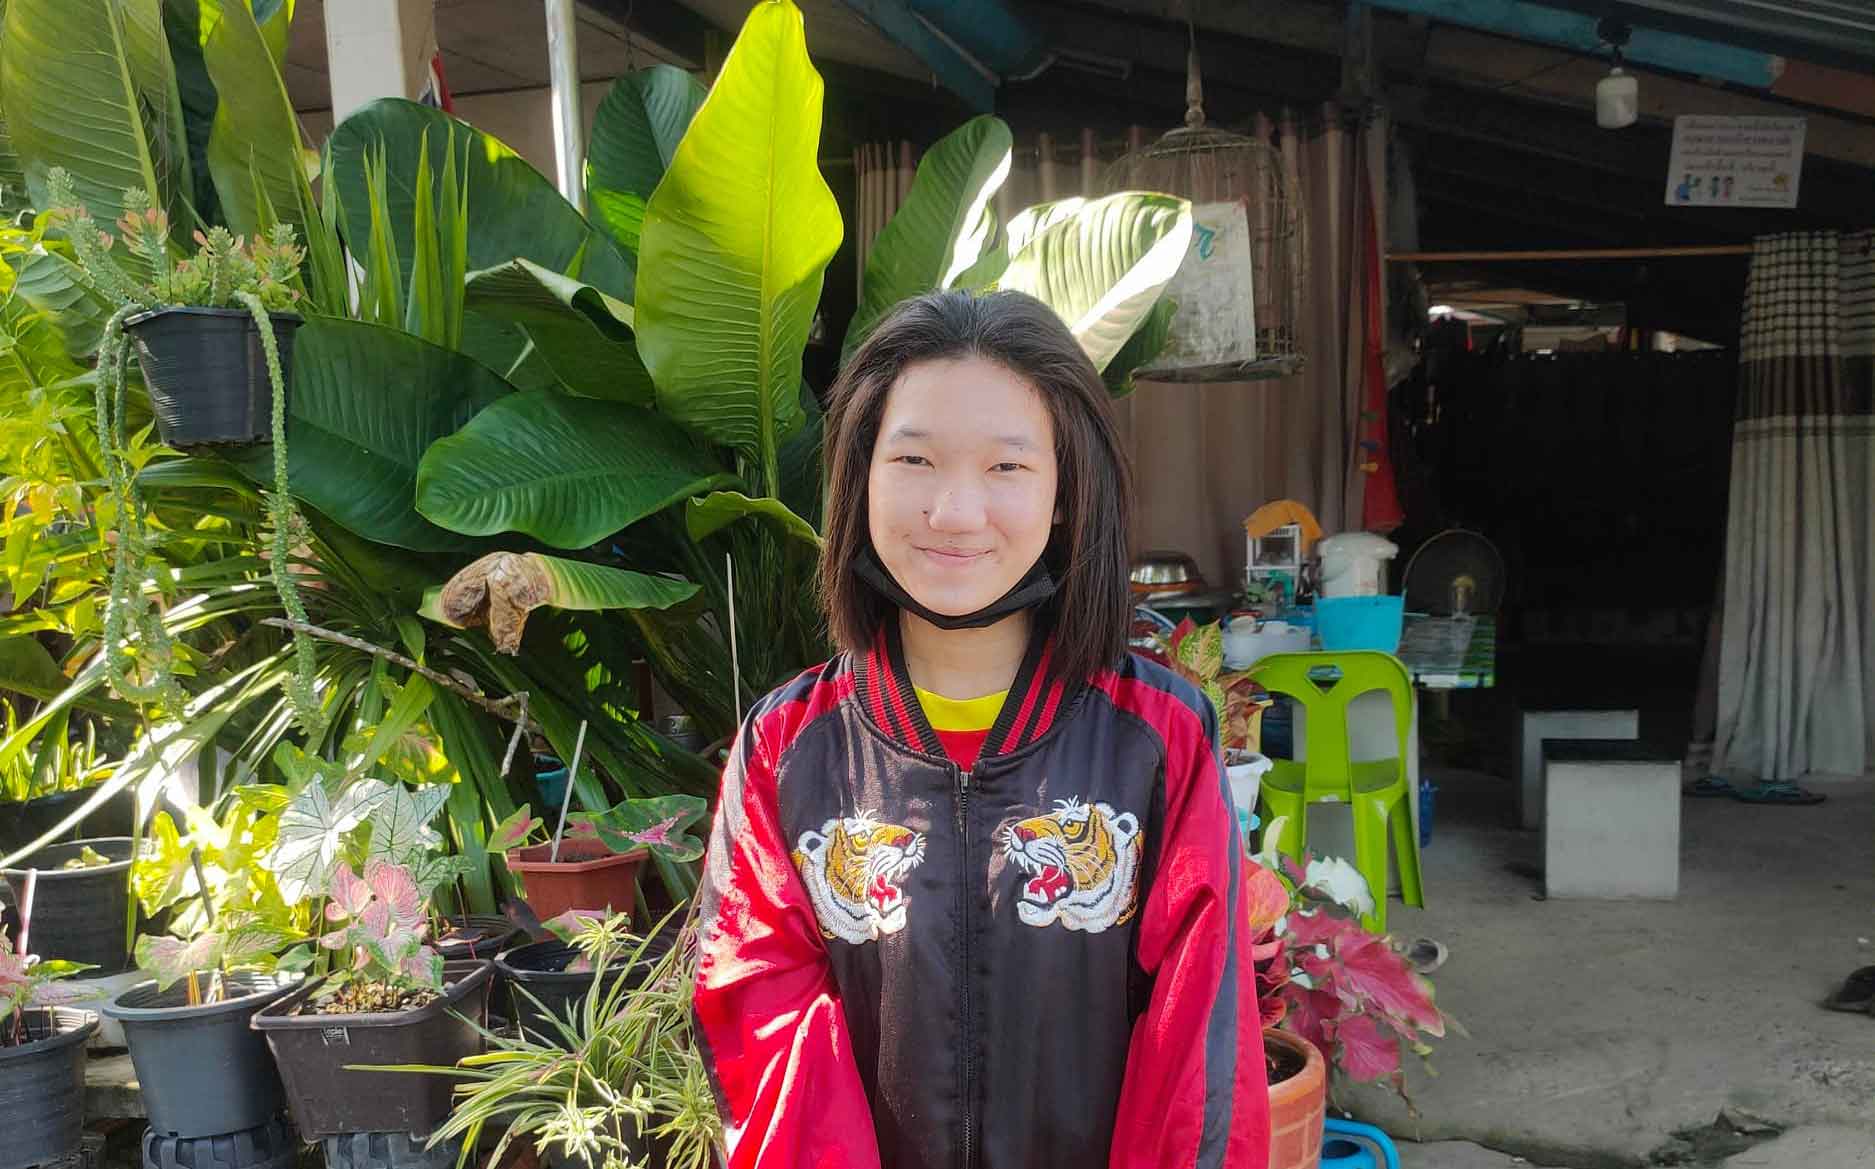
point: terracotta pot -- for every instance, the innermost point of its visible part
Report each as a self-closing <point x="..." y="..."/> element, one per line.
<point x="1298" y="1105"/>
<point x="588" y="875"/>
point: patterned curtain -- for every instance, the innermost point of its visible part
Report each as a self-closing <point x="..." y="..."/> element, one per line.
<point x="1796" y="671"/>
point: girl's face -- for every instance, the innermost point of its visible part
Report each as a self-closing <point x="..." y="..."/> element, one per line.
<point x="961" y="492"/>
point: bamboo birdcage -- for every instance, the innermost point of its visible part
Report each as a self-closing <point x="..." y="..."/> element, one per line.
<point x="1211" y="167"/>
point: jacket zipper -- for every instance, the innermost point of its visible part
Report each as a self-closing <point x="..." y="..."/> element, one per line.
<point x="969" y="1037"/>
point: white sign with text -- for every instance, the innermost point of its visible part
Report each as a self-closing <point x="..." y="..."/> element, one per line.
<point x="1735" y="162"/>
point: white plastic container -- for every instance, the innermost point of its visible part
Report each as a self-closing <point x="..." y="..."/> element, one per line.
<point x="1246" y="780"/>
<point x="1354" y="564"/>
<point x="1245" y="644"/>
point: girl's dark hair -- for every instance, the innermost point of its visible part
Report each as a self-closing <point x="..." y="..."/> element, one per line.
<point x="1087" y="552"/>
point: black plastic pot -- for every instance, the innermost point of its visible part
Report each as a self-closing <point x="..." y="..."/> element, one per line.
<point x="475" y="936"/>
<point x="207" y="373"/>
<point x="42" y="1087"/>
<point x="268" y="1146"/>
<point x="316" y="1054"/>
<point x="540" y="970"/>
<point x="21" y="824"/>
<point x="204" y="1071"/>
<point x="79" y="914"/>
<point x="389" y="1150"/>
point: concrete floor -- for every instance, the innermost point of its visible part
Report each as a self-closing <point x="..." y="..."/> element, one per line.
<point x="1599" y="1030"/>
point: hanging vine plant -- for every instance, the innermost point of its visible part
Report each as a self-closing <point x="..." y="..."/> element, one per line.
<point x="206" y="329"/>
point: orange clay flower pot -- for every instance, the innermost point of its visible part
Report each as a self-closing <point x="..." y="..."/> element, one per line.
<point x="1298" y="1104"/>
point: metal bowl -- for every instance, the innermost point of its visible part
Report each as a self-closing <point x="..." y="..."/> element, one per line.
<point x="1165" y="571"/>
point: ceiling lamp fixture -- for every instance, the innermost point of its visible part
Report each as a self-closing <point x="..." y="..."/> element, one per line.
<point x="1618" y="95"/>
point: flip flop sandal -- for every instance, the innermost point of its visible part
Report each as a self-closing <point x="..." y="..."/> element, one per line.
<point x="1778" y="792"/>
<point x="1708" y="787"/>
<point x="1856" y="994"/>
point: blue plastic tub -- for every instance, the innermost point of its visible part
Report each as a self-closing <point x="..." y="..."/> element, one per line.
<point x="549" y="780"/>
<point x="1355" y="623"/>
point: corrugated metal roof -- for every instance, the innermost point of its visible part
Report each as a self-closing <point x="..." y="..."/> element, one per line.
<point x="1830" y="30"/>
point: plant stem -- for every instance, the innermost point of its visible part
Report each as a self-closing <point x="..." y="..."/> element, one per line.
<point x="502" y="707"/>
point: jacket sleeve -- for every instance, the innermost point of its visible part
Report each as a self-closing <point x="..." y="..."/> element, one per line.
<point x="771" y="1028"/>
<point x="1196" y="1090"/>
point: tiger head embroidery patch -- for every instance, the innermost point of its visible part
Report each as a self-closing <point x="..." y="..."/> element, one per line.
<point x="853" y="868"/>
<point x="1079" y="864"/>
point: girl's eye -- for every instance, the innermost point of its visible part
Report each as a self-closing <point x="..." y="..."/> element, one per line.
<point x="1007" y="467"/>
<point x="913" y="460"/>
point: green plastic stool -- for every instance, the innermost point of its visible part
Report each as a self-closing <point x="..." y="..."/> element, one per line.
<point x="1376" y="790"/>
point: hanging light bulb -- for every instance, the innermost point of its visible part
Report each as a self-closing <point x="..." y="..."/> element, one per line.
<point x="1618" y="95"/>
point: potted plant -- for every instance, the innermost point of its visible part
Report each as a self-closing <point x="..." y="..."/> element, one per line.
<point x="634" y="1086"/>
<point x="551" y="975"/>
<point x="213" y="323"/>
<point x="42" y="1060"/>
<point x="388" y="1004"/>
<point x="40" y="788"/>
<point x="80" y="900"/>
<point x="1336" y="999"/>
<point x="594" y="864"/>
<point x="1196" y="653"/>
<point x="204" y="1071"/>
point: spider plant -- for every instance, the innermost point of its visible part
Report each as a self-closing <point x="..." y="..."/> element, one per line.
<point x="621" y="1075"/>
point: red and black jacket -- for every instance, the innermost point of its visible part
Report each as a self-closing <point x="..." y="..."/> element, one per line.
<point x="1040" y="962"/>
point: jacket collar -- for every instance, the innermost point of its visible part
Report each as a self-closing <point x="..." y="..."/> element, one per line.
<point x="883" y="687"/>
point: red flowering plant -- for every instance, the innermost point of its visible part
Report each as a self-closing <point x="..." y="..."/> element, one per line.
<point x="1321" y="976"/>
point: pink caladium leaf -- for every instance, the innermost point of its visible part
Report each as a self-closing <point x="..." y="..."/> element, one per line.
<point x="350" y="894"/>
<point x="1310" y="1014"/>
<point x="574" y="922"/>
<point x="513" y="831"/>
<point x="424" y="967"/>
<point x="659" y="833"/>
<point x="1376" y="972"/>
<point x="172" y="959"/>
<point x="393" y="885"/>
<point x="1366" y="1052"/>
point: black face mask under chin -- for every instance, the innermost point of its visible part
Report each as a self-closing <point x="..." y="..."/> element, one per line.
<point x="1034" y="588"/>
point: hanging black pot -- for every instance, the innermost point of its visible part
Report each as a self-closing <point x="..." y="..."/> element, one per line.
<point x="544" y="989"/>
<point x="79" y="914"/>
<point x="207" y="373"/>
<point x="42" y="1087"/>
<point x="204" y="1070"/>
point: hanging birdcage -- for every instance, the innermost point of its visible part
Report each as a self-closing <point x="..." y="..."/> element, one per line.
<point x="1239" y="292"/>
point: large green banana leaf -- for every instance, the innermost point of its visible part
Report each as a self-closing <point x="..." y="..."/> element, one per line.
<point x="365" y="403"/>
<point x="736" y="243"/>
<point x="1147" y="342"/>
<point x="584" y="335"/>
<point x="513" y="210"/>
<point x="635" y="131"/>
<point x="254" y="149"/>
<point x="567" y="471"/>
<point x="942" y="227"/>
<point x="90" y="87"/>
<point x="706" y="516"/>
<point x="1103" y="267"/>
<point x="12" y="174"/>
<point x="56" y="287"/>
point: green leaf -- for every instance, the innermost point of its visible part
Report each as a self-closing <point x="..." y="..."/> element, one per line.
<point x="721" y="508"/>
<point x="500" y="589"/>
<point x="90" y="87"/>
<point x="635" y="132"/>
<point x="583" y="334"/>
<point x="567" y="471"/>
<point x="1147" y="342"/>
<point x="513" y="209"/>
<point x="366" y="403"/>
<point x="1103" y="267"/>
<point x="983" y="275"/>
<point x="659" y="825"/>
<point x="313" y="828"/>
<point x="255" y="139"/>
<point x="736" y="243"/>
<point x="514" y="830"/>
<point x="400" y="819"/>
<point x="26" y="667"/>
<point x="58" y="288"/>
<point x="942" y="227"/>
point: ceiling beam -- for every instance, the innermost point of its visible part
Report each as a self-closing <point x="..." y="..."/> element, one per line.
<point x="956" y="69"/>
<point x="669" y="24"/>
<point x="1843" y="42"/>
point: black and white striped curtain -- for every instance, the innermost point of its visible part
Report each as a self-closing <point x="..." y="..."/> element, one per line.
<point x="1797" y="655"/>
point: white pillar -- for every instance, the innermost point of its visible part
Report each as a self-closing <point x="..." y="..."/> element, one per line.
<point x="569" y="136"/>
<point x="375" y="48"/>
